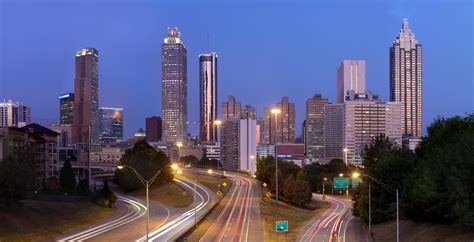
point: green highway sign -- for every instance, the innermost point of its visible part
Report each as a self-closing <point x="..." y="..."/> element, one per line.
<point x="341" y="182"/>
<point x="355" y="183"/>
<point x="281" y="226"/>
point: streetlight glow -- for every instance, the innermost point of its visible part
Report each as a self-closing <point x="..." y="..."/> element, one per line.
<point x="345" y="149"/>
<point x="276" y="111"/>
<point x="355" y="175"/>
<point x="217" y="122"/>
<point x="341" y="175"/>
<point x="120" y="167"/>
<point x="179" y="144"/>
<point x="209" y="171"/>
<point x="180" y="172"/>
<point x="174" y="166"/>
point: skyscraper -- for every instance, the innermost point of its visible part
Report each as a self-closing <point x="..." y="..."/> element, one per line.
<point x="14" y="114"/>
<point x="284" y="132"/>
<point x="314" y="127"/>
<point x="153" y="129"/>
<point x="248" y="112"/>
<point x="230" y="109"/>
<point x="208" y="97"/>
<point x="406" y="79"/>
<point x="66" y="104"/>
<point x="350" y="76"/>
<point x="111" y="125"/>
<point x="174" y="87"/>
<point x="86" y="99"/>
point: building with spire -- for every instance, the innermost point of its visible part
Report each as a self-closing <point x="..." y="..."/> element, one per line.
<point x="406" y="80"/>
<point x="174" y="89"/>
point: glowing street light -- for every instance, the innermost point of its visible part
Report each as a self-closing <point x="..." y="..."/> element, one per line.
<point x="209" y="171"/>
<point x="341" y="175"/>
<point x="174" y="166"/>
<point x="180" y="172"/>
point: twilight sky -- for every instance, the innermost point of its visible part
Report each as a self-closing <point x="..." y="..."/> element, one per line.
<point x="267" y="49"/>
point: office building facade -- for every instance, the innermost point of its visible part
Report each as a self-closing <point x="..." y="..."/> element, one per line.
<point x="208" y="97"/>
<point x="230" y="109"/>
<point x="86" y="119"/>
<point x="314" y="128"/>
<point x="350" y="76"/>
<point x="66" y="105"/>
<point x="111" y="125"/>
<point x="283" y="129"/>
<point x="174" y="85"/>
<point x="14" y="114"/>
<point x="406" y="60"/>
<point x="153" y="129"/>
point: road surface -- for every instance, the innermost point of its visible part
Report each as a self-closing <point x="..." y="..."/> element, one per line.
<point x="239" y="220"/>
<point x="128" y="223"/>
<point x="335" y="224"/>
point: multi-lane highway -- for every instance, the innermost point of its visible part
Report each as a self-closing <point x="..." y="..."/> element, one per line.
<point x="132" y="210"/>
<point x="166" y="224"/>
<point x="239" y="220"/>
<point x="335" y="224"/>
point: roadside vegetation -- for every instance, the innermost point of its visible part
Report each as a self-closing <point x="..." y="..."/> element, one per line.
<point x="436" y="183"/>
<point x="147" y="161"/>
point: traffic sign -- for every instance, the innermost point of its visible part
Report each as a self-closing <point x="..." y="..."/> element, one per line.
<point x="341" y="182"/>
<point x="355" y="183"/>
<point x="281" y="226"/>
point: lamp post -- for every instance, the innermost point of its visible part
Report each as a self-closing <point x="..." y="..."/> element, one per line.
<point x="276" y="111"/>
<point x="217" y="123"/>
<point x="324" y="187"/>
<point x="345" y="150"/>
<point x="179" y="144"/>
<point x="386" y="187"/>
<point x="147" y="184"/>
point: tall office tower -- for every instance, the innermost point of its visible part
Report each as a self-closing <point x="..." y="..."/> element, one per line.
<point x="66" y="104"/>
<point x="111" y="125"/>
<point x="174" y="85"/>
<point x="406" y="79"/>
<point x="230" y="109"/>
<point x="314" y="130"/>
<point x="283" y="131"/>
<point x="153" y="129"/>
<point x="239" y="144"/>
<point x="14" y="114"/>
<point x="86" y="99"/>
<point x="248" y="112"/>
<point x="350" y="76"/>
<point x="365" y="117"/>
<point x="260" y="131"/>
<point x="208" y="97"/>
<point x="333" y="131"/>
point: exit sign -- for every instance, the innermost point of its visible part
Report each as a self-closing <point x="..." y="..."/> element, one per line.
<point x="341" y="182"/>
<point x="281" y="226"/>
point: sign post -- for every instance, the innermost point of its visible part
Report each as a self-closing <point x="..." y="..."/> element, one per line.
<point x="281" y="226"/>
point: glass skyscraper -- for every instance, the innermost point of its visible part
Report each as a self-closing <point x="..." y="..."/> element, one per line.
<point x="208" y="97"/>
<point x="174" y="88"/>
<point x="111" y="125"/>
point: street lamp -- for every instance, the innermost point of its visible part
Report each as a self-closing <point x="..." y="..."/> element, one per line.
<point x="209" y="171"/>
<point x="147" y="184"/>
<point x="345" y="154"/>
<point x="387" y="187"/>
<point x="276" y="111"/>
<point x="174" y="166"/>
<point x="179" y="144"/>
<point x="324" y="187"/>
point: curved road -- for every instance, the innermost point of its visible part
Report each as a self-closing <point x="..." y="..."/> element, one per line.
<point x="335" y="224"/>
<point x="239" y="220"/>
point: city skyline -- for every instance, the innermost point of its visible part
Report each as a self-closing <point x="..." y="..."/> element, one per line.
<point x="321" y="79"/>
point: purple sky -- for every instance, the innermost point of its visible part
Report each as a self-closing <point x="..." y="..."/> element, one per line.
<point x="266" y="50"/>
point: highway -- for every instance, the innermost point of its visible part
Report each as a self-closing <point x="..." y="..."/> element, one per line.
<point x="335" y="224"/>
<point x="239" y="220"/>
<point x="133" y="210"/>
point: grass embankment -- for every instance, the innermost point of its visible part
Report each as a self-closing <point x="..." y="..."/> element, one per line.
<point x="211" y="182"/>
<point x="38" y="220"/>
<point x="411" y="231"/>
<point x="297" y="218"/>
<point x="170" y="194"/>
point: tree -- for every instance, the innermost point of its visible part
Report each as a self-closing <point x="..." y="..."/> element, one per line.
<point x="288" y="187"/>
<point x="208" y="163"/>
<point x="17" y="175"/>
<point x="316" y="173"/>
<point x="104" y="197"/>
<point x="146" y="161"/>
<point x="441" y="187"/>
<point x="281" y="180"/>
<point x="190" y="160"/>
<point x="67" y="179"/>
<point x="302" y="191"/>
